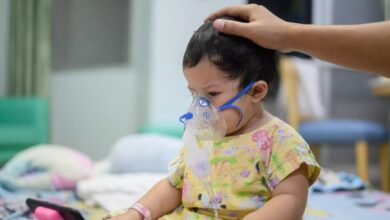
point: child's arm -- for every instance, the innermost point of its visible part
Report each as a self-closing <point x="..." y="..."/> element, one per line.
<point x="160" y="200"/>
<point x="288" y="199"/>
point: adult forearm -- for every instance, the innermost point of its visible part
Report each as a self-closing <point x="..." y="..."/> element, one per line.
<point x="365" y="47"/>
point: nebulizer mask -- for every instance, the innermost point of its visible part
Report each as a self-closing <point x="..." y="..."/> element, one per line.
<point x="204" y="124"/>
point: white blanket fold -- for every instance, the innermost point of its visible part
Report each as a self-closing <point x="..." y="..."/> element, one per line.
<point x="114" y="192"/>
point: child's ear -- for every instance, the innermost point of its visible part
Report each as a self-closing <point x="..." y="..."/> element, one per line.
<point x="258" y="91"/>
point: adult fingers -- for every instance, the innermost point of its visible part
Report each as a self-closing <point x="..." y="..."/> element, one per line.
<point x="241" y="11"/>
<point x="231" y="27"/>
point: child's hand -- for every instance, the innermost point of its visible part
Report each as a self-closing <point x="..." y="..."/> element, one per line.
<point x="131" y="214"/>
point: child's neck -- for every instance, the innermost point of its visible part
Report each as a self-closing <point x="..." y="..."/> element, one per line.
<point x="257" y="119"/>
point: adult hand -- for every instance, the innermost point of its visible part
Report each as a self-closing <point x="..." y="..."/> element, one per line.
<point x="263" y="27"/>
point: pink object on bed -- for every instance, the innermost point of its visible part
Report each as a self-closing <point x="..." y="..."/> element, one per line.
<point x="61" y="182"/>
<point x="42" y="213"/>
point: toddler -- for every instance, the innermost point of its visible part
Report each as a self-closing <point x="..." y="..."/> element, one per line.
<point x="261" y="168"/>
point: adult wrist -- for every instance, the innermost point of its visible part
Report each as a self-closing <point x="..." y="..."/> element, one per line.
<point x="292" y="37"/>
<point x="297" y="36"/>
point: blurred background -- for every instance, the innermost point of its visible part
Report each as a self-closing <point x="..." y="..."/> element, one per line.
<point x="113" y="68"/>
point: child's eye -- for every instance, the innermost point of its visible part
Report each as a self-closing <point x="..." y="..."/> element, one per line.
<point x="213" y="94"/>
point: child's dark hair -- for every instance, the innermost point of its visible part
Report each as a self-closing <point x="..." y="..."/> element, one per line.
<point x="239" y="57"/>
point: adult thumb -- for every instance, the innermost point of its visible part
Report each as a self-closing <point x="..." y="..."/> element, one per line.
<point x="230" y="27"/>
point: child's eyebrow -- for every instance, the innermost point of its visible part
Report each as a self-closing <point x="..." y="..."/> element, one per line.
<point x="212" y="85"/>
<point x="207" y="87"/>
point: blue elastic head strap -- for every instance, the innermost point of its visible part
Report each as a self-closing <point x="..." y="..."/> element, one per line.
<point x="229" y="104"/>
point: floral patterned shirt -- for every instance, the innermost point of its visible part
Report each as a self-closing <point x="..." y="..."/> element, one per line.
<point x="244" y="171"/>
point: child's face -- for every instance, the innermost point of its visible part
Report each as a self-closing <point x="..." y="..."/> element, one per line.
<point x="207" y="80"/>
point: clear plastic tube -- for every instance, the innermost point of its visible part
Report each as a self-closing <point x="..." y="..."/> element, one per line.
<point x="204" y="124"/>
<point x="209" y="187"/>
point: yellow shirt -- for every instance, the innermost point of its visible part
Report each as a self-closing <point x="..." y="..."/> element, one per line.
<point x="244" y="171"/>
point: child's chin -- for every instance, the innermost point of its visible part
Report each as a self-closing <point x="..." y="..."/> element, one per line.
<point x="231" y="132"/>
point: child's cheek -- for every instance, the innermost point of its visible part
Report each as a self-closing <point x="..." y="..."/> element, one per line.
<point x="219" y="100"/>
<point x="231" y="117"/>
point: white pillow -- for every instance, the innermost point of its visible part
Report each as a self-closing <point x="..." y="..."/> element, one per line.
<point x="144" y="153"/>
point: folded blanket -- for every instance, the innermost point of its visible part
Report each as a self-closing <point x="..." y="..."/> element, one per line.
<point x="45" y="167"/>
<point x="116" y="191"/>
